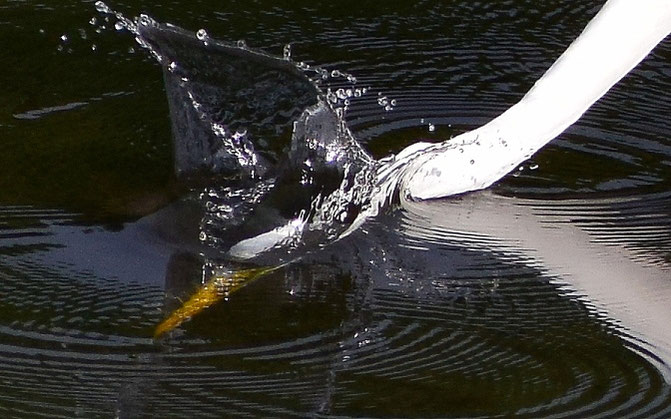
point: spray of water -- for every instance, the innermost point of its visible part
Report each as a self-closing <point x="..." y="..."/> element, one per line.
<point x="285" y="174"/>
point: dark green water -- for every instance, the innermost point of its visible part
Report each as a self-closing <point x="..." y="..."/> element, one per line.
<point x="545" y="296"/>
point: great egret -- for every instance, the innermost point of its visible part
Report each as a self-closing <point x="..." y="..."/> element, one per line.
<point x="621" y="34"/>
<point x="613" y="43"/>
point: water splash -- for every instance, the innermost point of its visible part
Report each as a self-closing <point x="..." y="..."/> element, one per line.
<point x="386" y="103"/>
<point x="232" y="108"/>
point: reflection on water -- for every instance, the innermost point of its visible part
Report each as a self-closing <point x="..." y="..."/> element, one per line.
<point x="542" y="297"/>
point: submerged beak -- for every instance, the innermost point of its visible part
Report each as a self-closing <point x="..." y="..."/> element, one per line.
<point x="217" y="288"/>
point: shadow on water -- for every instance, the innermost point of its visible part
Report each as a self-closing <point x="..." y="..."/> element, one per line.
<point x="544" y="297"/>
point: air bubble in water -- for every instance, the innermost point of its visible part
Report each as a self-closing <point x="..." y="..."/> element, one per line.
<point x="119" y="25"/>
<point x="241" y="43"/>
<point x="286" y="52"/>
<point x="172" y="67"/>
<point x="93" y="21"/>
<point x="432" y="128"/>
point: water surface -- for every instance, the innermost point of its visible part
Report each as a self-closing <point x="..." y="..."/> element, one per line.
<point x="545" y="296"/>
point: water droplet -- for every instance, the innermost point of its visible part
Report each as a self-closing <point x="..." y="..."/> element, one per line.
<point x="472" y="161"/>
<point x="432" y="128"/>
<point x="351" y="78"/>
<point x="144" y="20"/>
<point x="241" y="43"/>
<point x="101" y="7"/>
<point x="202" y="35"/>
<point x="286" y="52"/>
<point x="533" y="167"/>
<point x="131" y="50"/>
<point x="41" y="31"/>
<point x="94" y="47"/>
<point x="202" y="236"/>
<point x="64" y="38"/>
<point x="93" y="21"/>
<point x="172" y="66"/>
<point x="120" y="25"/>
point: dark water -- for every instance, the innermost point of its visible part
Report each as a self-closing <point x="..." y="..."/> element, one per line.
<point x="545" y="296"/>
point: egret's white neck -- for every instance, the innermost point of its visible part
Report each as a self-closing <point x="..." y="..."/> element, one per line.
<point x="613" y="43"/>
